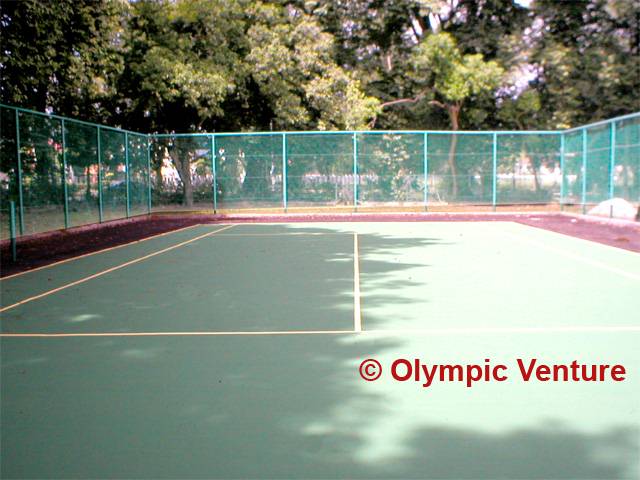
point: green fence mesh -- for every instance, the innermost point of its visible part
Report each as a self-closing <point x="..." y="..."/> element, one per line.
<point x="64" y="173"/>
<point x="528" y="168"/>
<point x="460" y="168"/>
<point x="8" y="167"/>
<point x="598" y="164"/>
<point x="182" y="172"/>
<point x="320" y="169"/>
<point x="573" y="171"/>
<point x="83" y="195"/>
<point x="627" y="160"/>
<point x="138" y="174"/>
<point x="113" y="174"/>
<point x="391" y="168"/>
<point x="41" y="174"/>
<point x="249" y="171"/>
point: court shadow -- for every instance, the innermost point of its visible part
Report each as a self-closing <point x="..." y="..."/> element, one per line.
<point x="271" y="406"/>
<point x="281" y="407"/>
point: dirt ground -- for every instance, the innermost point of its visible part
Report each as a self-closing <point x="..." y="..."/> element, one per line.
<point x="38" y="250"/>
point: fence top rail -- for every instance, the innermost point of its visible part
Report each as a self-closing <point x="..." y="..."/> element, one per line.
<point x="603" y="122"/>
<point x="70" y="120"/>
<point x="359" y="132"/>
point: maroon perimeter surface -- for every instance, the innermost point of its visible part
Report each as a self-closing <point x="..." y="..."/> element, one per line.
<point x="38" y="250"/>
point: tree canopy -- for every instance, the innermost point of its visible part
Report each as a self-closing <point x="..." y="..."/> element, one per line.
<point x="196" y="65"/>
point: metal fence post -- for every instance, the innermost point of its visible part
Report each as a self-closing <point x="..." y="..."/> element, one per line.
<point x="127" y="177"/>
<point x="99" y="135"/>
<point x="64" y="176"/>
<point x="494" y="198"/>
<point x="214" y="173"/>
<point x="148" y="175"/>
<point x="284" y="171"/>
<point x="355" y="171"/>
<point x="425" y="161"/>
<point x="19" y="159"/>
<point x="562" y="172"/>
<point x="612" y="159"/>
<point x="584" y="170"/>
<point x="12" y="229"/>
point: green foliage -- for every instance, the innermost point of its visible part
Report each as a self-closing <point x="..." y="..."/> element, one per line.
<point x="291" y="59"/>
<point x="454" y="77"/>
<point x="193" y="65"/>
<point x="521" y="112"/>
<point x="63" y="55"/>
<point x="589" y="59"/>
<point x="175" y="64"/>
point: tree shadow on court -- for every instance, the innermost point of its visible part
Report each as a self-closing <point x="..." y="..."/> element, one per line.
<point x="287" y="406"/>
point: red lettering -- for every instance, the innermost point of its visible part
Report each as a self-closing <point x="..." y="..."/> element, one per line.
<point x="541" y="371"/>
<point x="574" y="371"/>
<point x="495" y="374"/>
<point x="429" y="374"/>
<point x="474" y="373"/>
<point x="526" y="373"/>
<point x="452" y="369"/>
<point x="394" y="370"/>
<point x="617" y="373"/>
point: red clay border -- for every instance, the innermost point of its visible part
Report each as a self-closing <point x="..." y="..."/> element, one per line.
<point x="39" y="250"/>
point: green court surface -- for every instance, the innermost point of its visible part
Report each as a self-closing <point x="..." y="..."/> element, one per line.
<point x="233" y="351"/>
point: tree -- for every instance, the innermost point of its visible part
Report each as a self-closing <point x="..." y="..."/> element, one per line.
<point x="449" y="79"/>
<point x="587" y="53"/>
<point x="291" y="60"/>
<point x="180" y="68"/>
<point x="375" y="39"/>
<point x="61" y="56"/>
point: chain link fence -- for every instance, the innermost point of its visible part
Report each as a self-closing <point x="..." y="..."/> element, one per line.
<point x="62" y="173"/>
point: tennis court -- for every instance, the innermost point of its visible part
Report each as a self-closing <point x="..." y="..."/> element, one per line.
<point x="233" y="351"/>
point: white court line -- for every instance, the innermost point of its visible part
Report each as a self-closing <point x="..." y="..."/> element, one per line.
<point x="66" y="260"/>
<point x="357" y="316"/>
<point x="108" y="270"/>
<point x="78" y="257"/>
<point x="390" y="332"/>
<point x="178" y="334"/>
<point x="499" y="330"/>
<point x="573" y="256"/>
<point x="567" y="235"/>
<point x="287" y="234"/>
<point x="358" y="222"/>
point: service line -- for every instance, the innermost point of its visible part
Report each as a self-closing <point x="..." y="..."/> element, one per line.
<point x="112" y="269"/>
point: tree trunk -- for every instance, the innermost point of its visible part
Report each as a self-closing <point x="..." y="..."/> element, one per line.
<point x="454" y="116"/>
<point x="159" y="179"/>
<point x="182" y="161"/>
<point x="256" y="181"/>
<point x="188" y="187"/>
<point x="184" y="170"/>
<point x="535" y="166"/>
<point x="87" y="194"/>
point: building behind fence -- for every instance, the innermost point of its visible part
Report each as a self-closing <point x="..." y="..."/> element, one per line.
<point x="62" y="173"/>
